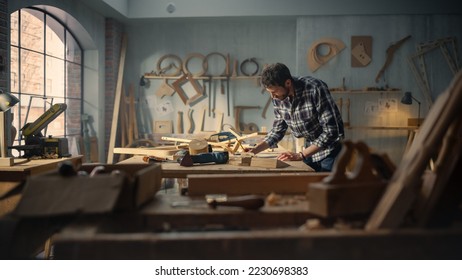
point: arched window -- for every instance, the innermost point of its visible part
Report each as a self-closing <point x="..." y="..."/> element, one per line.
<point x="46" y="69"/>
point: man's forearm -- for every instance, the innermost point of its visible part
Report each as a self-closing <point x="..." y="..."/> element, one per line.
<point x="310" y="150"/>
<point x="260" y="147"/>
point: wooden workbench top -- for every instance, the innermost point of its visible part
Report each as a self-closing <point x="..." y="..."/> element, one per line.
<point x="175" y="170"/>
<point x="23" y="167"/>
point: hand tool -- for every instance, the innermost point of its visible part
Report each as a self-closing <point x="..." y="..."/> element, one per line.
<point x="246" y="202"/>
<point x="212" y="157"/>
<point x="390" y="53"/>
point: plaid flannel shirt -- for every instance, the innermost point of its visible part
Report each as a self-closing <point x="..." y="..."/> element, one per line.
<point x="312" y="114"/>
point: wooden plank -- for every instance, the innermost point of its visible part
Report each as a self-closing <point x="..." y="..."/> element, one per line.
<point x="23" y="168"/>
<point x="118" y="93"/>
<point x="161" y="153"/>
<point x="252" y="183"/>
<point x="343" y="200"/>
<point x="6" y="161"/>
<point x="290" y="244"/>
<point x="267" y="162"/>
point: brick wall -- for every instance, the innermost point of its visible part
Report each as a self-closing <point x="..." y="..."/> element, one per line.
<point x="113" y="35"/>
<point x="4" y="44"/>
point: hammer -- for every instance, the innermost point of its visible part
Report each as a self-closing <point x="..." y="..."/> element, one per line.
<point x="211" y="157"/>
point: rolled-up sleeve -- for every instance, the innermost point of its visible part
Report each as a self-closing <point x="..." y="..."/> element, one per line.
<point x="277" y="132"/>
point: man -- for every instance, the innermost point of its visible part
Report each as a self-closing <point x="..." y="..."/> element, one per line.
<point x="305" y="105"/>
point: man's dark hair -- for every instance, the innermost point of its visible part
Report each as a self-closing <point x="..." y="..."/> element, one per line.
<point x="275" y="75"/>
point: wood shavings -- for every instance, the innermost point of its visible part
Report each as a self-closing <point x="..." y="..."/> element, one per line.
<point x="274" y="199"/>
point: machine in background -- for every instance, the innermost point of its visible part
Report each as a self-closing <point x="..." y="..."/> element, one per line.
<point x="37" y="145"/>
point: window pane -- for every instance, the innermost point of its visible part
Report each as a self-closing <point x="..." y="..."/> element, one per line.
<point x="31" y="72"/>
<point x="14" y="75"/>
<point x="14" y="28"/>
<point x="55" y="38"/>
<point x="73" y="52"/>
<point x="54" y="77"/>
<point x="32" y="30"/>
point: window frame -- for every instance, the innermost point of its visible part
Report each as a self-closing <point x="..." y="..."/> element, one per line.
<point x="66" y="98"/>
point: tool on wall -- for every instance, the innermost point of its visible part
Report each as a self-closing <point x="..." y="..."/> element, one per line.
<point x="361" y="51"/>
<point x="314" y="56"/>
<point x="179" y="122"/>
<point x="191" y="121"/>
<point x="243" y="127"/>
<point x="390" y="53"/>
<point x="172" y="62"/>
<point x="418" y="58"/>
<point x="164" y="89"/>
<point x="268" y="102"/>
<point x="347" y="105"/>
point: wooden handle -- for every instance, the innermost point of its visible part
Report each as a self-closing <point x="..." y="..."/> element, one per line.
<point x="247" y="202"/>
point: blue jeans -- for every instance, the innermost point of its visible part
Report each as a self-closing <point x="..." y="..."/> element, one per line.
<point x="326" y="164"/>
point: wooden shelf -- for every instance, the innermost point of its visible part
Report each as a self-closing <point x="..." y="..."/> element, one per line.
<point x="408" y="128"/>
<point x="150" y="76"/>
<point x="360" y="91"/>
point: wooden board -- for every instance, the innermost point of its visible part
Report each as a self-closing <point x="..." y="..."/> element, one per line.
<point x="157" y="152"/>
<point x="163" y="127"/>
<point x="276" y="244"/>
<point x="117" y="98"/>
<point x="267" y="162"/>
<point x="229" y="184"/>
<point x="24" y="168"/>
<point x="340" y="201"/>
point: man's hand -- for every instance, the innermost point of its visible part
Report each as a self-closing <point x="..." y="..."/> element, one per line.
<point x="290" y="156"/>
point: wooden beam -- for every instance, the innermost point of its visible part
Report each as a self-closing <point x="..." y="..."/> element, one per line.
<point x="231" y="184"/>
<point x="118" y="94"/>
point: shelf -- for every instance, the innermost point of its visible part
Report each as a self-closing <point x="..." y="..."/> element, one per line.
<point x="149" y="76"/>
<point x="361" y="91"/>
<point x="408" y="128"/>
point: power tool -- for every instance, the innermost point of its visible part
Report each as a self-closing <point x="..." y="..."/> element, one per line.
<point x="187" y="159"/>
<point x="36" y="145"/>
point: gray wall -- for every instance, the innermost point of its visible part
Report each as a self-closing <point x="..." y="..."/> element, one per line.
<point x="288" y="40"/>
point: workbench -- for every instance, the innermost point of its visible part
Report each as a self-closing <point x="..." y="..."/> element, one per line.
<point x="23" y="168"/>
<point x="175" y="170"/>
<point x="10" y="176"/>
<point x="160" y="231"/>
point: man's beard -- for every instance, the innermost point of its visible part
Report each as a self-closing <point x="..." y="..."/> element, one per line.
<point x="285" y="95"/>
